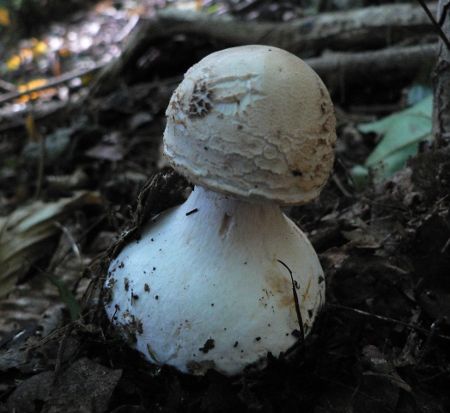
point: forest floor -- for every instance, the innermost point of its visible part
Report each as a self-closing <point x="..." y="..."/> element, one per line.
<point x="74" y="157"/>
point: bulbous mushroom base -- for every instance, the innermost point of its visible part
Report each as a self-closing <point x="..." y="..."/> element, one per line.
<point x="208" y="285"/>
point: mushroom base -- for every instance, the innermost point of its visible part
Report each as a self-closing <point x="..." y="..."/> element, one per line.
<point x="208" y="285"/>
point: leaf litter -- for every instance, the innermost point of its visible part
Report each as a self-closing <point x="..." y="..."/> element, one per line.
<point x="380" y="345"/>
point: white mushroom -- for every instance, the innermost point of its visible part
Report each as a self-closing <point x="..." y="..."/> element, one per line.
<point x="214" y="283"/>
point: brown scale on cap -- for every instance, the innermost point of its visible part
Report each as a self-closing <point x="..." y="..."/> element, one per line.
<point x="201" y="101"/>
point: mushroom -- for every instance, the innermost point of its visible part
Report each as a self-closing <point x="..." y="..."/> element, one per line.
<point x="226" y="278"/>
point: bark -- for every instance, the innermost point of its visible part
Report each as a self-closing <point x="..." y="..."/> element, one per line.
<point x="338" y="69"/>
<point x="360" y="29"/>
<point x="441" y="108"/>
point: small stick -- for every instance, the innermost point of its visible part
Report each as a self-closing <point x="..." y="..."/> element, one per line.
<point x="40" y="167"/>
<point x="192" y="212"/>
<point x="435" y="24"/>
<point x="387" y="319"/>
<point x="56" y="81"/>
<point x="7" y="86"/>
<point x="297" y="305"/>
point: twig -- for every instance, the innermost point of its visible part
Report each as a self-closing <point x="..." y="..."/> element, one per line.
<point x="443" y="14"/>
<point x="35" y="135"/>
<point x="243" y="7"/>
<point x="436" y="25"/>
<point x="127" y="29"/>
<point x="297" y="305"/>
<point x="60" y="354"/>
<point x="66" y="77"/>
<point x="441" y="81"/>
<point x="73" y="244"/>
<point x="429" y="340"/>
<point x="40" y="166"/>
<point x="14" y="119"/>
<point x="387" y="319"/>
<point x="7" y="86"/>
<point x="341" y="186"/>
<point x="444" y="248"/>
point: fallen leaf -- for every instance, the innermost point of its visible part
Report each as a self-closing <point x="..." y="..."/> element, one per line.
<point x="33" y="95"/>
<point x="15" y="61"/>
<point x="109" y="149"/>
<point x="39" y="47"/>
<point x="34" y="390"/>
<point x="4" y="17"/>
<point x="362" y="238"/>
<point x="66" y="296"/>
<point x="401" y="133"/>
<point x="85" y="386"/>
<point x="26" y="235"/>
<point x="382" y="367"/>
<point x="57" y="148"/>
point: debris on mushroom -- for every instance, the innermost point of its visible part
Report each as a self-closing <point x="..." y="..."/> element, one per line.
<point x="232" y="278"/>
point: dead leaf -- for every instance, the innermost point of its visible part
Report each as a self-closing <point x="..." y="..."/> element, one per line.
<point x="382" y="367"/>
<point x="138" y="120"/>
<point x="32" y="95"/>
<point x="4" y="17"/>
<point x="361" y="238"/>
<point x="85" y="386"/>
<point x="33" y="391"/>
<point x="109" y="149"/>
<point x="26" y="235"/>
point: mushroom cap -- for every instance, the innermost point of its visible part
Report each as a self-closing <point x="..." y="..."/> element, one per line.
<point x="255" y="122"/>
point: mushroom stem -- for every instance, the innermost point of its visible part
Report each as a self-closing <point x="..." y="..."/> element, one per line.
<point x="219" y="281"/>
<point x="220" y="216"/>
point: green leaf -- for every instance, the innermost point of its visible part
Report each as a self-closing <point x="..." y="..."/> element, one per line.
<point x="66" y="297"/>
<point x="213" y="9"/>
<point x="418" y="92"/>
<point x="360" y="176"/>
<point x="401" y="133"/>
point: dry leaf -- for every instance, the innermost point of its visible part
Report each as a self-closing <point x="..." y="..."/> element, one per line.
<point x="4" y="17"/>
<point x="29" y="234"/>
<point x="34" y="84"/>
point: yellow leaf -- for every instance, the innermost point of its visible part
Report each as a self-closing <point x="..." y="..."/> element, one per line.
<point x="39" y="48"/>
<point x="33" y="84"/>
<point x="4" y="17"/>
<point x="13" y="63"/>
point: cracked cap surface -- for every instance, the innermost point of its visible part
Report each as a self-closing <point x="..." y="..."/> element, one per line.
<point x="255" y="122"/>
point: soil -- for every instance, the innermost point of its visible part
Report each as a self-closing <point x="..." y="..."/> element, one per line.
<point x="381" y="343"/>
